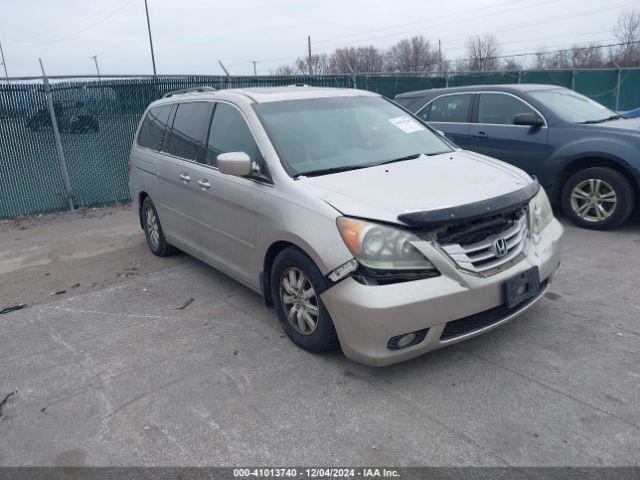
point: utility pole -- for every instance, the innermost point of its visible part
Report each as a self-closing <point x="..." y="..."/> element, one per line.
<point x="223" y="68"/>
<point x="57" y="139"/>
<point x="309" y="47"/>
<point x="4" y="64"/>
<point x="255" y="72"/>
<point x="439" y="55"/>
<point x="95" y="59"/>
<point x="153" y="58"/>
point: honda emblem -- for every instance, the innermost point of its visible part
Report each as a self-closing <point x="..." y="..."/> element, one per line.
<point x="500" y="247"/>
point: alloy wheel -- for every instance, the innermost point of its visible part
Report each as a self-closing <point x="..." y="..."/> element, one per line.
<point x="594" y="200"/>
<point x="153" y="228"/>
<point x="299" y="301"/>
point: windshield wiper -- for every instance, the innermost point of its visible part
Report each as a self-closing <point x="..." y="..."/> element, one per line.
<point x="327" y="171"/>
<point x="612" y="117"/>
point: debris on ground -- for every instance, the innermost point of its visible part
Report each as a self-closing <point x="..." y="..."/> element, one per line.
<point x="186" y="304"/>
<point x="75" y="285"/>
<point x="4" y="400"/>
<point x="20" y="306"/>
<point x="57" y="292"/>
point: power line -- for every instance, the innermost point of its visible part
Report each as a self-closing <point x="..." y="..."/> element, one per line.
<point x="392" y="27"/>
<point x="78" y="32"/>
<point x="511" y="27"/>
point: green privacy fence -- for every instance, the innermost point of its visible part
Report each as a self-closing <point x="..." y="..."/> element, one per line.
<point x="97" y="119"/>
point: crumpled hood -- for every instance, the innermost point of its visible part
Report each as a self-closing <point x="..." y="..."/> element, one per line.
<point x="426" y="183"/>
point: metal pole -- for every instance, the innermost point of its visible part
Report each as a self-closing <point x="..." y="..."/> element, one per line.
<point x="255" y="72"/>
<point x="58" y="141"/>
<point x="309" y="47"/>
<point x="618" y="90"/>
<point x="222" y="66"/>
<point x="4" y="63"/>
<point x="573" y="79"/>
<point x="153" y="58"/>
<point x="95" y="59"/>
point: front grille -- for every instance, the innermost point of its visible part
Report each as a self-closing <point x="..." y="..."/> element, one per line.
<point x="482" y="255"/>
<point x="478" y="321"/>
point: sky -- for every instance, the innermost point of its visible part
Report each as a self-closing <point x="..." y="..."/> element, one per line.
<point x="190" y="36"/>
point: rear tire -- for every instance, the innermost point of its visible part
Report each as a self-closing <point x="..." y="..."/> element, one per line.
<point x="296" y="285"/>
<point x="598" y="198"/>
<point x="156" y="240"/>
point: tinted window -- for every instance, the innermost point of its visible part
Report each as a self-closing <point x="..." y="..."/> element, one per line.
<point x="450" y="108"/>
<point x="500" y="109"/>
<point x="229" y="133"/>
<point x="152" y="130"/>
<point x="188" y="129"/>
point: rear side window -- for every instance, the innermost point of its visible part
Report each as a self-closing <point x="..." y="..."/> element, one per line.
<point x="187" y="133"/>
<point x="449" y="108"/>
<point x="229" y="133"/>
<point x="153" y="127"/>
<point x="499" y="109"/>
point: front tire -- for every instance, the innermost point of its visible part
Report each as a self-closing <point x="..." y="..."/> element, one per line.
<point x="598" y="198"/>
<point x="296" y="285"/>
<point x="156" y="240"/>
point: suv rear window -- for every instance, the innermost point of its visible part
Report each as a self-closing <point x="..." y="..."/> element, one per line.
<point x="152" y="130"/>
<point x="189" y="126"/>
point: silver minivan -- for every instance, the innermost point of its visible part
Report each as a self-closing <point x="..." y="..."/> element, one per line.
<point x="365" y="228"/>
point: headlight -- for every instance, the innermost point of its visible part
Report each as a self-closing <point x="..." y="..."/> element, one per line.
<point x="541" y="212"/>
<point x="380" y="247"/>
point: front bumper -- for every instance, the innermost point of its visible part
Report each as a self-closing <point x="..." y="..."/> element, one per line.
<point x="366" y="317"/>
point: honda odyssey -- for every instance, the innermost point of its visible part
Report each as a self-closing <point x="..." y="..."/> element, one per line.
<point x="362" y="226"/>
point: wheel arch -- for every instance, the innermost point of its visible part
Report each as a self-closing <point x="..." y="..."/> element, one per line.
<point x="270" y="255"/>
<point x="583" y="162"/>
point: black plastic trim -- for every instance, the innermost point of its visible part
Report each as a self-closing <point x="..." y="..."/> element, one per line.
<point x="470" y="211"/>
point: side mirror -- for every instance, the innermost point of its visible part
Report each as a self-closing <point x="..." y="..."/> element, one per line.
<point x="441" y="133"/>
<point x="237" y="164"/>
<point x="530" y="119"/>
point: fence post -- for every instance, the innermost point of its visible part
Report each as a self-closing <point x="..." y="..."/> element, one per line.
<point x="573" y="79"/>
<point x="354" y="80"/>
<point x="58" y="141"/>
<point x="618" y="89"/>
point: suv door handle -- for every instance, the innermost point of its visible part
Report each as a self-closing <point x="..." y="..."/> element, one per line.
<point x="480" y="135"/>
<point x="204" y="184"/>
<point x="185" y="177"/>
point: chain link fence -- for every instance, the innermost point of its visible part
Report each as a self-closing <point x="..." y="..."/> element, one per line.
<point x="97" y="118"/>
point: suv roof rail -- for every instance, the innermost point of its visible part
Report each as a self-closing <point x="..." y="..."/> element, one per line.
<point x="190" y="90"/>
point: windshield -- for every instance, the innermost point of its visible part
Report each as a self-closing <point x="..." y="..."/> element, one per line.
<point x="341" y="133"/>
<point x="572" y="107"/>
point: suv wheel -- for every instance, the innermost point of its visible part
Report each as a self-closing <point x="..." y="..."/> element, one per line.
<point x="296" y="285"/>
<point x="599" y="198"/>
<point x="153" y="230"/>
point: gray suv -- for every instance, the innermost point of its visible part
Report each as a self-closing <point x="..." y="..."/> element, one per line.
<point x="363" y="227"/>
<point x="586" y="156"/>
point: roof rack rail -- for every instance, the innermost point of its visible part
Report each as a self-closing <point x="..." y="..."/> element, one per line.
<point x="189" y="90"/>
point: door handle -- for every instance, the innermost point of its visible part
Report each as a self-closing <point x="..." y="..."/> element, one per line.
<point x="480" y="135"/>
<point x="204" y="184"/>
<point x="185" y="177"/>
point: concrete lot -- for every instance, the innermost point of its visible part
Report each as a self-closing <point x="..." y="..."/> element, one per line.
<point x="111" y="373"/>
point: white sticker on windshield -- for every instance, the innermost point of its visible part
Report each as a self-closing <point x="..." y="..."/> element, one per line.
<point x="406" y="124"/>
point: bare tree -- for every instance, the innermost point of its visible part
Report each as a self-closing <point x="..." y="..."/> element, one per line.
<point x="511" y="64"/>
<point x="589" y="56"/>
<point x="482" y="52"/>
<point x="627" y="31"/>
<point x="285" y="70"/>
<point x="316" y="65"/>
<point x="412" y="55"/>
<point x="356" y="60"/>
